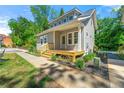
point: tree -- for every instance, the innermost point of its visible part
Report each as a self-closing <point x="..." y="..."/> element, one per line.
<point x="122" y="14"/>
<point x="61" y="12"/>
<point x="23" y="32"/>
<point x="42" y="14"/>
<point x="53" y="14"/>
<point x="110" y="34"/>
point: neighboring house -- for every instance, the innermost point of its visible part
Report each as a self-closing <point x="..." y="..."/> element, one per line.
<point x="0" y="41"/>
<point x="72" y="32"/>
<point x="5" y="40"/>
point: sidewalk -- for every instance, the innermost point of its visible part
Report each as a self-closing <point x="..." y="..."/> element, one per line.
<point x="64" y="75"/>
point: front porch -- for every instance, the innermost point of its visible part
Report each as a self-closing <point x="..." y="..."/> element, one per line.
<point x="67" y="53"/>
<point x="48" y="49"/>
<point x="65" y="40"/>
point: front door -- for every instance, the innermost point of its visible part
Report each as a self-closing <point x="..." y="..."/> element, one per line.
<point x="62" y="41"/>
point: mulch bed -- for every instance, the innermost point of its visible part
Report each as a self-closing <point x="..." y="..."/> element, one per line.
<point x="102" y="71"/>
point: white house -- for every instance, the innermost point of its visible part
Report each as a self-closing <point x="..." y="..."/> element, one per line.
<point x="72" y="32"/>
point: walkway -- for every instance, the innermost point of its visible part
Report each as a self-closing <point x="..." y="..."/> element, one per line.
<point x="64" y="75"/>
<point x="116" y="73"/>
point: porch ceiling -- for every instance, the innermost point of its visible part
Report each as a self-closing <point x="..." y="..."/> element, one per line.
<point x="61" y="27"/>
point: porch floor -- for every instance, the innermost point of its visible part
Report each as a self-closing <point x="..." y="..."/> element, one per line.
<point x="69" y="53"/>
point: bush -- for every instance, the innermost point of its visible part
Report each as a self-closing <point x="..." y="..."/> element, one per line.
<point x="89" y="57"/>
<point x="95" y="49"/>
<point x="31" y="48"/>
<point x="53" y="57"/>
<point x="121" y="52"/>
<point x="80" y="63"/>
<point x="43" y="81"/>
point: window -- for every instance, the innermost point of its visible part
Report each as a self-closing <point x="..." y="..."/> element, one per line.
<point x="55" y="24"/>
<point x="87" y="46"/>
<point x="64" y="20"/>
<point x="41" y="41"/>
<point x="75" y="37"/>
<point x="70" y="17"/>
<point x="45" y="38"/>
<point x="70" y="38"/>
<point x="59" y="22"/>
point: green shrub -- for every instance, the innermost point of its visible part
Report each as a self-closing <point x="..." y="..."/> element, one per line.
<point x="54" y="57"/>
<point x="43" y="81"/>
<point x="32" y="49"/>
<point x="95" y="49"/>
<point x="89" y="57"/>
<point x="80" y="63"/>
<point x="121" y="52"/>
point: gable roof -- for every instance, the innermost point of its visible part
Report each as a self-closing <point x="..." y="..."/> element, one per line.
<point x="74" y="9"/>
<point x="84" y="17"/>
<point x="83" y="14"/>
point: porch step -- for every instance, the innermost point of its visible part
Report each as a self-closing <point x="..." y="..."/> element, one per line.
<point x="47" y="56"/>
<point x="48" y="52"/>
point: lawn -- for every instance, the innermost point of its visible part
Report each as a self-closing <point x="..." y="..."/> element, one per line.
<point x="16" y="72"/>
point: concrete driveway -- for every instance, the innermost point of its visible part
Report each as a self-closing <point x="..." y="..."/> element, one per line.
<point x="116" y="73"/>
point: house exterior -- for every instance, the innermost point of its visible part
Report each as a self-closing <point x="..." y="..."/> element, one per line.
<point x="0" y="41"/>
<point x="5" y="40"/>
<point x="73" y="31"/>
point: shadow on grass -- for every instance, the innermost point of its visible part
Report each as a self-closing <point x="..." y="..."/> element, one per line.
<point x="42" y="81"/>
<point x="4" y="60"/>
<point x="8" y="81"/>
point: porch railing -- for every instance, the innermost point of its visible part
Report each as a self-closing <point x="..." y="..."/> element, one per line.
<point x="47" y="46"/>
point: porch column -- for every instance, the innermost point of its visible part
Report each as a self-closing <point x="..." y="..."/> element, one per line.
<point x="79" y="37"/>
<point x="54" y="39"/>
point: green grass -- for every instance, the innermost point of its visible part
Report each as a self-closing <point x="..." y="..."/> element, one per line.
<point x="16" y="72"/>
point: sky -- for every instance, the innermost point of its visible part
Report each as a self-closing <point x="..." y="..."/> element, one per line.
<point x="13" y="11"/>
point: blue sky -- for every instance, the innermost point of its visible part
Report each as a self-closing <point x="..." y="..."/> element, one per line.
<point x="13" y="11"/>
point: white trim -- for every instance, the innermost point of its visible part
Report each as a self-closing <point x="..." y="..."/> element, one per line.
<point x="79" y="38"/>
<point x="72" y="38"/>
<point x="54" y="39"/>
<point x="57" y="28"/>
